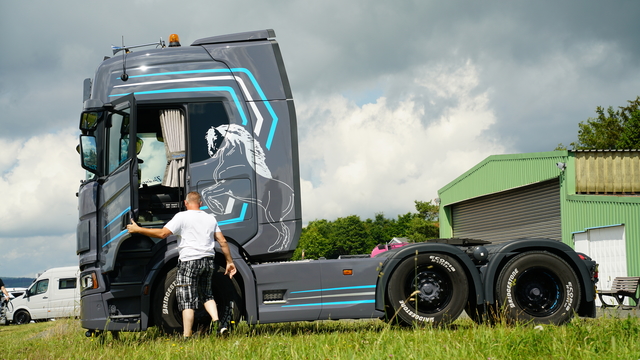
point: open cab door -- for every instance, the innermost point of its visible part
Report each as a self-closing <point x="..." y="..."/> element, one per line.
<point x="118" y="190"/>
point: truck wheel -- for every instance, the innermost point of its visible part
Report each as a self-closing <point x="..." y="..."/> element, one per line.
<point x="225" y="291"/>
<point x="21" y="317"/>
<point x="428" y="288"/>
<point x="538" y="286"/>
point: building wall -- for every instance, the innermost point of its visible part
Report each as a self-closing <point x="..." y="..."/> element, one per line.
<point x="497" y="173"/>
<point x="579" y="212"/>
<point x="607" y="172"/>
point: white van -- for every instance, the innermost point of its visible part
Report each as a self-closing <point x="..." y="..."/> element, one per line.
<point x="54" y="294"/>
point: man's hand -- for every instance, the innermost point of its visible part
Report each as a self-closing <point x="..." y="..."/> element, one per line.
<point x="231" y="269"/>
<point x="133" y="227"/>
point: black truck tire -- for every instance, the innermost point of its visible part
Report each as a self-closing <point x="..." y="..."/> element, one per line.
<point x="427" y="289"/>
<point x="538" y="286"/>
<point x="227" y="295"/>
<point x="21" y="317"/>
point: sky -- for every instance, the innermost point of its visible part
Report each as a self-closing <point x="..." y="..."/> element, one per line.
<point x="394" y="99"/>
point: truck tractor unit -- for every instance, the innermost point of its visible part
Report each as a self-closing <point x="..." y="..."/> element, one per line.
<point x="218" y="117"/>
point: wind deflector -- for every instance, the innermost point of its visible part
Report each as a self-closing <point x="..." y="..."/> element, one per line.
<point x="244" y="36"/>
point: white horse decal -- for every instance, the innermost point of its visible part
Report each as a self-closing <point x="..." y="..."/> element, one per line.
<point x="226" y="140"/>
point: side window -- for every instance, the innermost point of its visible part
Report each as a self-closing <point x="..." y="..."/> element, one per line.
<point x="40" y="287"/>
<point x="118" y="141"/>
<point x="205" y="117"/>
<point x="154" y="159"/>
<point x="67" y="283"/>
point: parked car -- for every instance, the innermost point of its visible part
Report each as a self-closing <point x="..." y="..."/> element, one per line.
<point x="54" y="294"/>
<point x="16" y="292"/>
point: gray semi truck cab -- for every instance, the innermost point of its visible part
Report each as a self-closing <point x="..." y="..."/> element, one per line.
<point x="218" y="117"/>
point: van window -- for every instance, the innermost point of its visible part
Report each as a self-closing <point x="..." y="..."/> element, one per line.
<point x="67" y="283"/>
<point x="40" y="287"/>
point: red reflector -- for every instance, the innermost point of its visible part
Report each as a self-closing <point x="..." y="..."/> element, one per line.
<point x="347" y="272"/>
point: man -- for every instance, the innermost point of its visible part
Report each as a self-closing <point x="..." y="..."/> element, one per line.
<point x="4" y="290"/>
<point x="3" y="302"/>
<point x="197" y="232"/>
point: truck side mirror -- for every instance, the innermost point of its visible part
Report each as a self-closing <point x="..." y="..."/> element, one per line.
<point x="89" y="153"/>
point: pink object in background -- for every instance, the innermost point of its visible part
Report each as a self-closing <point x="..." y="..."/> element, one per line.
<point x="393" y="244"/>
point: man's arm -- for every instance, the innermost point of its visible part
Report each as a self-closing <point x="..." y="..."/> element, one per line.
<point x="231" y="267"/>
<point x="134" y="228"/>
<point x="6" y="293"/>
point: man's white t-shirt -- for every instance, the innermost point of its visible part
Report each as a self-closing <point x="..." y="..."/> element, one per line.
<point x="196" y="234"/>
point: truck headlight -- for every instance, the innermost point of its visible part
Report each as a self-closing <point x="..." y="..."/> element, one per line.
<point x="88" y="281"/>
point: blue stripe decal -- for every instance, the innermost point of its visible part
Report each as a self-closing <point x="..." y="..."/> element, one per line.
<point x="253" y="80"/>
<point x="198" y="89"/>
<point x="120" y="234"/>
<point x="272" y="131"/>
<point x="117" y="217"/>
<point x="334" y="289"/>
<point x="238" y="219"/>
<point x="335" y="303"/>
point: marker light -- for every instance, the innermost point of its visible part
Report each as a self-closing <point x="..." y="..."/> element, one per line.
<point x="174" y="40"/>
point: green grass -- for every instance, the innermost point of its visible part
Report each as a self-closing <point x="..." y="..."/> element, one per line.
<point x="602" y="338"/>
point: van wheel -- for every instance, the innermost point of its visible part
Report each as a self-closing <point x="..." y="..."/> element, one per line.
<point x="21" y="317"/>
<point x="427" y="289"/>
<point x="226" y="293"/>
<point x="538" y="286"/>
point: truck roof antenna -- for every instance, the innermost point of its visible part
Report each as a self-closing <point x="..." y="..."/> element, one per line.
<point x="125" y="50"/>
<point x="124" y="76"/>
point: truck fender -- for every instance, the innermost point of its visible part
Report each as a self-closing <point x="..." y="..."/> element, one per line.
<point x="500" y="257"/>
<point x="391" y="259"/>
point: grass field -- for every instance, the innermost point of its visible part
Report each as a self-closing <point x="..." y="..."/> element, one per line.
<point x="602" y="338"/>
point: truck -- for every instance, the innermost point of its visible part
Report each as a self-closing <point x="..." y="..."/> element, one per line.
<point x="218" y="117"/>
<point x="53" y="294"/>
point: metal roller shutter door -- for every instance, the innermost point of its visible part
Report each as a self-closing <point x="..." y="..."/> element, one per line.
<point x="528" y="211"/>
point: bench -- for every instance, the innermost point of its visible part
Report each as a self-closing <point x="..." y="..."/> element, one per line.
<point x="621" y="288"/>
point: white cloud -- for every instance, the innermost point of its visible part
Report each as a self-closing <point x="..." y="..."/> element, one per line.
<point x="39" y="179"/>
<point x="380" y="158"/>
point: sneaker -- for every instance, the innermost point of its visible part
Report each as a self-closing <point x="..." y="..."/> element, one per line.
<point x="223" y="331"/>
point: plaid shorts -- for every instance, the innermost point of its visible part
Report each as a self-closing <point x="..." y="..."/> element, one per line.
<point x="193" y="282"/>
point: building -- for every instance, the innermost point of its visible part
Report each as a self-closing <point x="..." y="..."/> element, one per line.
<point x="587" y="199"/>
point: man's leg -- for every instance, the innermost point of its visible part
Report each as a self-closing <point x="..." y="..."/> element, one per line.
<point x="187" y="294"/>
<point x="187" y="321"/>
<point x="205" y="282"/>
<point x="212" y="309"/>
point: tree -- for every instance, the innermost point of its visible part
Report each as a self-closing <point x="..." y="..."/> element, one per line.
<point x="613" y="129"/>
<point x="350" y="235"/>
<point x="421" y="230"/>
<point x="429" y="211"/>
<point x="630" y="137"/>
<point x="602" y="132"/>
<point x="314" y="241"/>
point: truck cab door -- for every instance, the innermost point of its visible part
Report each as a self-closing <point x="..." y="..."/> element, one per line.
<point x="118" y="192"/>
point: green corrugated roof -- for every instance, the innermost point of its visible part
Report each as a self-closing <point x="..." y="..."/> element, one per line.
<point x="502" y="172"/>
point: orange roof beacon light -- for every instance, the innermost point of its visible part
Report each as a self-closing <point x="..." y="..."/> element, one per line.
<point x="174" y="40"/>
